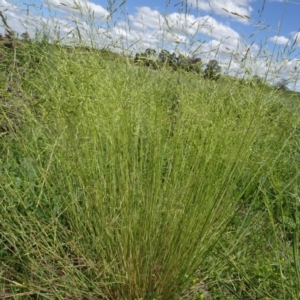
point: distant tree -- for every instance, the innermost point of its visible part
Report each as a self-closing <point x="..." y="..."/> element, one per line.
<point x="150" y="58"/>
<point x="150" y="53"/>
<point x="182" y="62"/>
<point x="282" y="85"/>
<point x="173" y="57"/>
<point x="166" y="57"/>
<point x="257" y="79"/>
<point x="213" y="70"/>
<point x="138" y="57"/>
<point x="254" y="80"/>
<point x="25" y="36"/>
<point x="147" y="58"/>
<point x="188" y="64"/>
<point x="195" y="60"/>
<point x="195" y="65"/>
<point x="181" y="59"/>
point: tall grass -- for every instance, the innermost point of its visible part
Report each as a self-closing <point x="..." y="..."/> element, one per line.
<point x="127" y="183"/>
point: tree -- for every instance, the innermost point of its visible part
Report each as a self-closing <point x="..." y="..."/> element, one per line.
<point x="257" y="79"/>
<point x="166" y="57"/>
<point x="148" y="58"/>
<point x="25" y="35"/>
<point x="195" y="65"/>
<point x="138" y="57"/>
<point x="254" y="80"/>
<point x="282" y="85"/>
<point x="150" y="53"/>
<point x="182" y="61"/>
<point x="213" y="70"/>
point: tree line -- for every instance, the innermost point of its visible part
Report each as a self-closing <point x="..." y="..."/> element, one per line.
<point x="150" y="58"/>
<point x="211" y="70"/>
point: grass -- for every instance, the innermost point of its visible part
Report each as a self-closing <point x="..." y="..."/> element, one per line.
<point x="121" y="182"/>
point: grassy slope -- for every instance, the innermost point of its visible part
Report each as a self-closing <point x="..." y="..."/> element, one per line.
<point x="119" y="180"/>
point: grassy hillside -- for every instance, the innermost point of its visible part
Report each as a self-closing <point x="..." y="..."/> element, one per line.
<point x="122" y="182"/>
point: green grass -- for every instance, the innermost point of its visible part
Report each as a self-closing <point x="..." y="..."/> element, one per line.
<point x="120" y="182"/>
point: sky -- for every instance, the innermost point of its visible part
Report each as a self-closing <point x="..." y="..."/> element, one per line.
<point x="247" y="37"/>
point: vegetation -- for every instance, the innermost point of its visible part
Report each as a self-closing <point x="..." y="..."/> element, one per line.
<point x="165" y="59"/>
<point x="213" y="70"/>
<point x="118" y="181"/>
<point x="282" y="85"/>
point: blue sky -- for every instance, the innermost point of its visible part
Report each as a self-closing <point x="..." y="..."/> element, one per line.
<point x="245" y="36"/>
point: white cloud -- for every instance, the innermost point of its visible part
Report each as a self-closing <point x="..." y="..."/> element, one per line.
<point x="237" y="9"/>
<point x="280" y="40"/>
<point x="146" y="18"/>
<point x="190" y="25"/>
<point x="16" y="21"/>
<point x="178" y="27"/>
<point x="54" y="27"/>
<point x="6" y="5"/>
<point x="83" y="7"/>
<point x="212" y="27"/>
<point x="146" y="28"/>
